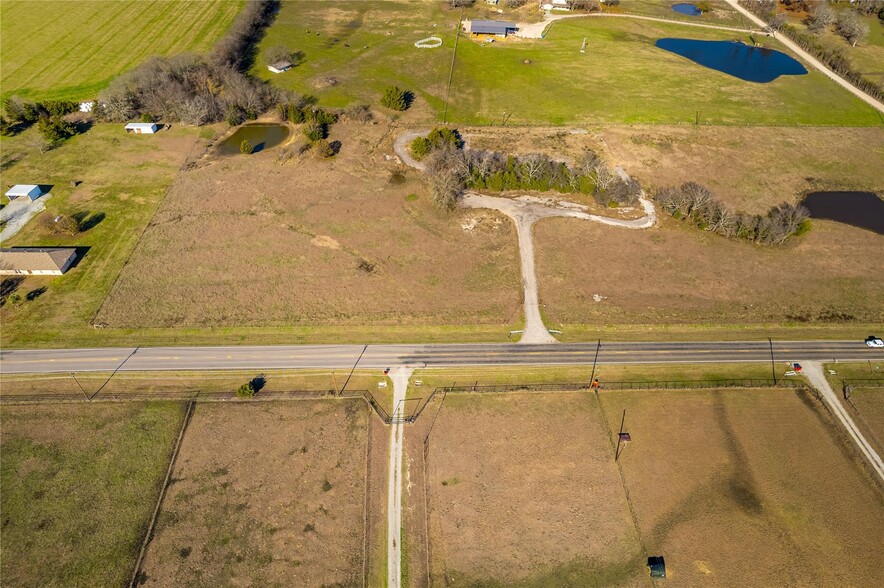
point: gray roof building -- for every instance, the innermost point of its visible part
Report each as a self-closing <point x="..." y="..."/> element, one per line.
<point x="27" y="261"/>
<point x="491" y="27"/>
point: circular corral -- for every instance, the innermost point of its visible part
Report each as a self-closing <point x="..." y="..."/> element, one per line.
<point x="429" y="43"/>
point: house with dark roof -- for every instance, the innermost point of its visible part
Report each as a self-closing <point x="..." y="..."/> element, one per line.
<point x="36" y="261"/>
<point x="497" y="28"/>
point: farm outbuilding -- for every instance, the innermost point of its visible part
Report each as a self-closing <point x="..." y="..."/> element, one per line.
<point x="280" y="66"/>
<point x="498" y="28"/>
<point x="142" y="128"/>
<point x="29" y="191"/>
<point x="36" y="261"/>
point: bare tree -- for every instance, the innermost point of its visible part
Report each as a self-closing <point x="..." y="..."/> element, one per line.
<point x="778" y="21"/>
<point x="38" y="142"/>
<point x="851" y="27"/>
<point x="533" y="165"/>
<point x="821" y="18"/>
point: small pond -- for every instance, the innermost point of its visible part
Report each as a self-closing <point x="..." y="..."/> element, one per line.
<point x="752" y="64"/>
<point x="688" y="9"/>
<point x="261" y="136"/>
<point x="859" y="209"/>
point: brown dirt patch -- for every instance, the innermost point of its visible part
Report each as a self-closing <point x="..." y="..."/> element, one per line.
<point x="249" y="241"/>
<point x="523" y="490"/>
<point x="677" y="274"/>
<point x="265" y="494"/>
<point x="749" y="488"/>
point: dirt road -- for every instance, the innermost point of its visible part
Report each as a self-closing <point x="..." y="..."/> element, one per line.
<point x="525" y="211"/>
<point x="814" y="373"/>
<point x="400" y="377"/>
<point x="535" y="30"/>
<point x="808" y="58"/>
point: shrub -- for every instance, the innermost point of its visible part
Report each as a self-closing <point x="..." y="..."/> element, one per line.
<point x="147" y="118"/>
<point x="247" y="390"/>
<point x="395" y="98"/>
<point x="420" y="148"/>
<point x="55" y="129"/>
<point x="324" y="149"/>
<point x="359" y="113"/>
<point x="245" y="147"/>
<point x="314" y="132"/>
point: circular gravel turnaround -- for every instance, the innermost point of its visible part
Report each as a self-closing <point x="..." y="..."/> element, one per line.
<point x="429" y="43"/>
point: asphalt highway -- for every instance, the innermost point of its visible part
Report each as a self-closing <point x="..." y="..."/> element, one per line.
<point x="437" y="355"/>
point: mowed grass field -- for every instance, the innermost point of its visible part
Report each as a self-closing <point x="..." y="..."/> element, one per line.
<point x="71" y="49"/>
<point x="353" y="50"/>
<point x="265" y="494"/>
<point x="732" y="487"/>
<point x="748" y="488"/>
<point x="122" y="180"/>
<point x="79" y="485"/>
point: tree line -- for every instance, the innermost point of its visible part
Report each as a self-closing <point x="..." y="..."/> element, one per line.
<point x="195" y="89"/>
<point x="696" y="203"/>
<point x="451" y="170"/>
<point x="821" y="16"/>
<point x="48" y="115"/>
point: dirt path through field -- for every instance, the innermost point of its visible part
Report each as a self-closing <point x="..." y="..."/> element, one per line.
<point x="525" y="211"/>
<point x="808" y="58"/>
<point x="400" y="377"/>
<point x="815" y="374"/>
<point x="535" y="30"/>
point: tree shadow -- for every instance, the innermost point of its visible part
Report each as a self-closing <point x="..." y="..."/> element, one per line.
<point x="334" y="147"/>
<point x="409" y="98"/>
<point x="85" y="221"/>
<point x="8" y="286"/>
<point x="83" y="125"/>
<point x="297" y="58"/>
<point x="258" y="382"/>
<point x="35" y="293"/>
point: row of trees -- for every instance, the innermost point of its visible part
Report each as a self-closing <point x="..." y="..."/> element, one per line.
<point x="694" y="202"/>
<point x="451" y="170"/>
<point x="196" y="90"/>
<point x="48" y="115"/>
<point x="833" y="57"/>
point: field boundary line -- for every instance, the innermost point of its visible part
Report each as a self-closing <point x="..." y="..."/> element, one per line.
<point x="156" y="511"/>
<point x="632" y="515"/>
<point x="365" y="506"/>
<point x="451" y="70"/>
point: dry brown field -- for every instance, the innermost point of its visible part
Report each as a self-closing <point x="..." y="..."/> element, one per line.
<point x="249" y="241"/>
<point x="749" y="488"/>
<point x="265" y="494"/>
<point x="749" y="168"/>
<point x="677" y="274"/>
<point x="522" y="490"/>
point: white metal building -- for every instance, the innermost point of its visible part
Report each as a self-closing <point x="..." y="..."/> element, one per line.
<point x="29" y="191"/>
<point x="141" y="128"/>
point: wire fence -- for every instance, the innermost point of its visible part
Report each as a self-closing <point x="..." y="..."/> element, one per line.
<point x="627" y="385"/>
<point x="863" y="383"/>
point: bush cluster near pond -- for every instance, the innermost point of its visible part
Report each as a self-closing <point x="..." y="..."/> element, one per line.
<point x="60" y="49"/>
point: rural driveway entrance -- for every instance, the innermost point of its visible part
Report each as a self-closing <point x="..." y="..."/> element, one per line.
<point x="525" y="211"/>
<point x="400" y="377"/>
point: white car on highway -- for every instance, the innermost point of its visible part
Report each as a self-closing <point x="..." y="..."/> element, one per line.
<point x="873" y="341"/>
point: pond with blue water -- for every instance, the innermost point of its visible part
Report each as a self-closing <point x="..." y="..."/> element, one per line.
<point x="687" y="9"/>
<point x="752" y="64"/>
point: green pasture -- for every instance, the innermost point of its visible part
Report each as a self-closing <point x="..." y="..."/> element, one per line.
<point x="79" y="484"/>
<point x="71" y="49"/>
<point x="620" y="78"/>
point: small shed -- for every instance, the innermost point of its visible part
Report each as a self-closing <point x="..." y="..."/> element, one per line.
<point x="657" y="566"/>
<point x="29" y="191"/>
<point x="141" y="128"/>
<point x="36" y="261"/>
<point x="280" y="66"/>
<point x="497" y="28"/>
